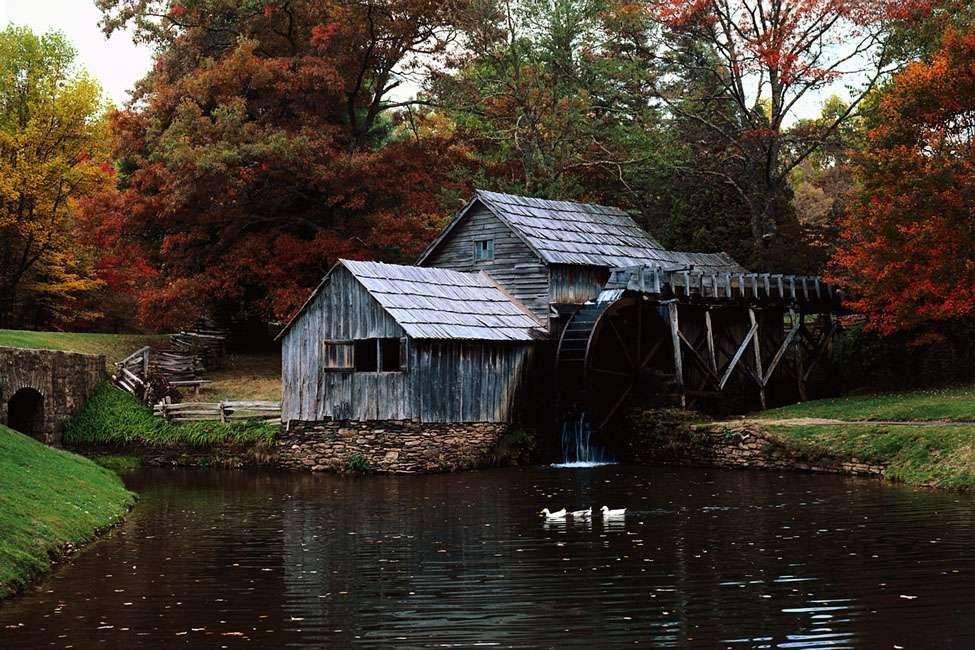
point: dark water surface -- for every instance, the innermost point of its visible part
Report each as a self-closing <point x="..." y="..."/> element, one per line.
<point x="705" y="558"/>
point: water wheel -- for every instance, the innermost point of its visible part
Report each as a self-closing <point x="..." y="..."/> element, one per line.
<point x="608" y="349"/>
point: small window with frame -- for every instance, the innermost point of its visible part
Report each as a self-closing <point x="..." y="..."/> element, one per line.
<point x="337" y="356"/>
<point x="379" y="355"/>
<point x="484" y="250"/>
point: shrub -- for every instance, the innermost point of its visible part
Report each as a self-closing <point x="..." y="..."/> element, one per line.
<point x="514" y="448"/>
<point x="359" y="464"/>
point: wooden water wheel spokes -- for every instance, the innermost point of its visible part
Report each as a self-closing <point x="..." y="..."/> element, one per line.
<point x="623" y="342"/>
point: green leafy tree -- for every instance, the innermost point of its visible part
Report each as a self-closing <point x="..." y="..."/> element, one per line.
<point x="52" y="152"/>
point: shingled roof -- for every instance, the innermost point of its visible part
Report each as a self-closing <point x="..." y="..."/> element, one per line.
<point x="564" y="232"/>
<point x="442" y="304"/>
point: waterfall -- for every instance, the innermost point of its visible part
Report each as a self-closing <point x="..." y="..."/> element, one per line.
<point x="578" y="447"/>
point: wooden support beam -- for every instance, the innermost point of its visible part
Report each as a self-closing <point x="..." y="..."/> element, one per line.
<point x="800" y="374"/>
<point x="781" y="352"/>
<point x="696" y="356"/>
<point x="737" y="357"/>
<point x="652" y="353"/>
<point x="820" y="348"/>
<point x="756" y="339"/>
<point x="709" y="332"/>
<point x="678" y="352"/>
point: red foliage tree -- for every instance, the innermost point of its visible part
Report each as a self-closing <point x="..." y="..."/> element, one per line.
<point x="908" y="250"/>
<point x="264" y="145"/>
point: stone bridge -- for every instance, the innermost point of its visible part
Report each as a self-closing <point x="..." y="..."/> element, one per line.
<point x="41" y="389"/>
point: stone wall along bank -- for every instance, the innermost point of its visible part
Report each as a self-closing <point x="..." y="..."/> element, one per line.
<point x="398" y="447"/>
<point x="741" y="446"/>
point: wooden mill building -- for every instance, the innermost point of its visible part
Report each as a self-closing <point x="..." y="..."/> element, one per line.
<point x="522" y="300"/>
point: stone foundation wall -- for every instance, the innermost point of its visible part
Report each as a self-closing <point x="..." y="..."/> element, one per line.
<point x="399" y="447"/>
<point x="742" y="446"/>
<point x="63" y="379"/>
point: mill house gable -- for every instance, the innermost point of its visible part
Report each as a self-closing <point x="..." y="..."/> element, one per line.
<point x="553" y="255"/>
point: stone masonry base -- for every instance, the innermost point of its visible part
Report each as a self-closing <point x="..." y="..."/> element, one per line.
<point x="400" y="447"/>
<point x="747" y="447"/>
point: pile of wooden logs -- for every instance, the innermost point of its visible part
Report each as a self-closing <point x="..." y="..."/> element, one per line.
<point x="206" y="347"/>
<point x="179" y="365"/>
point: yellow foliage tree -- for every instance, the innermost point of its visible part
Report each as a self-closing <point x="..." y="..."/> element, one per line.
<point x="53" y="149"/>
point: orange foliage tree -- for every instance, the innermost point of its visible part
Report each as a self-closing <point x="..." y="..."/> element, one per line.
<point x="266" y="143"/>
<point x="908" y="251"/>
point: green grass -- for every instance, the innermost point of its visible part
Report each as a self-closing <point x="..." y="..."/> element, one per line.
<point x="118" y="463"/>
<point x="114" y="346"/>
<point x="940" y="455"/>
<point x="113" y="417"/>
<point x="950" y="404"/>
<point x="49" y="499"/>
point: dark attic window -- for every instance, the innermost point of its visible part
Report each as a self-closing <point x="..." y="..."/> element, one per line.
<point x="484" y="250"/>
<point x="373" y="355"/>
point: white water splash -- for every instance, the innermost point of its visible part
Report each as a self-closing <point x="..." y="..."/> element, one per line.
<point x="578" y="447"/>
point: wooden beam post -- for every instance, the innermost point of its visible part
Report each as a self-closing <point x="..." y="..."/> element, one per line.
<point x="678" y="352"/>
<point x="712" y="354"/>
<point x="799" y="318"/>
<point x="756" y="342"/>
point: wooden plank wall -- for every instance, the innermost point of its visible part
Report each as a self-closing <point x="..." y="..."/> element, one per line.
<point x="576" y="285"/>
<point x="343" y="310"/>
<point x="449" y="381"/>
<point x="515" y="266"/>
<point x="469" y="381"/>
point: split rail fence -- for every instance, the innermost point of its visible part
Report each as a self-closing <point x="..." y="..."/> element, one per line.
<point x="181" y="367"/>
<point x="226" y="411"/>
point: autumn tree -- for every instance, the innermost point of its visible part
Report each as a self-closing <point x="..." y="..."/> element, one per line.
<point x="268" y="141"/>
<point x="762" y="59"/>
<point x="52" y="153"/>
<point x="547" y="101"/>
<point x="908" y="253"/>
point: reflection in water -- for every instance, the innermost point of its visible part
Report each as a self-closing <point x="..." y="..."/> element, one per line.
<point x="704" y="558"/>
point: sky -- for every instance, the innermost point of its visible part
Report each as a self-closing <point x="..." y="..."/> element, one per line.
<point x="116" y="63"/>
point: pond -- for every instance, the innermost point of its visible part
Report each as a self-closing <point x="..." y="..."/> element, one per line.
<point x="704" y="558"/>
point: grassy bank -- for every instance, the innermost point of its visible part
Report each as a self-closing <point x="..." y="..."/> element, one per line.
<point x="949" y="404"/>
<point x="114" y="346"/>
<point x="922" y="437"/>
<point x="50" y="502"/>
<point x="115" y="418"/>
<point x="927" y="455"/>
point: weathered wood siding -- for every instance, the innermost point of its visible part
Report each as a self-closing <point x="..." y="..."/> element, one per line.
<point x="444" y="381"/>
<point x="342" y="311"/>
<point x="515" y="266"/>
<point x="575" y="285"/>
<point x="457" y="381"/>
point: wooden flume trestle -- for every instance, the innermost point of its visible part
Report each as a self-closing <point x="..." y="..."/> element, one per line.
<point x="691" y="336"/>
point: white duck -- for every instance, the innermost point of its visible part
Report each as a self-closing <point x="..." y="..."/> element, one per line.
<point x="558" y="514"/>
<point x="581" y="514"/>
<point x="607" y="513"/>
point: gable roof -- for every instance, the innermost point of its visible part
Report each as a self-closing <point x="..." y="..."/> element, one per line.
<point x="564" y="232"/>
<point x="440" y="304"/>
